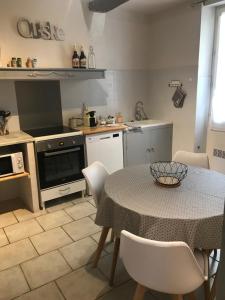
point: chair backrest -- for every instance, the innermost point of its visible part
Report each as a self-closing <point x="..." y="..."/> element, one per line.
<point x="95" y="175"/>
<point x="193" y="159"/>
<point x="168" y="267"/>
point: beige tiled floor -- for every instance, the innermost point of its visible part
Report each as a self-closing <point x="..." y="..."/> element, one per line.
<point x="48" y="255"/>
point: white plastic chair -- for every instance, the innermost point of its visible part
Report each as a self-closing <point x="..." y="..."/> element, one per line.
<point x="167" y="267"/>
<point x="95" y="175"/>
<point x="193" y="159"/>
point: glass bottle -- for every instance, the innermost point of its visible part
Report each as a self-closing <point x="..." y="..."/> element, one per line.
<point x="91" y="58"/>
<point x="83" y="59"/>
<point x="75" y="59"/>
<point x="1" y="65"/>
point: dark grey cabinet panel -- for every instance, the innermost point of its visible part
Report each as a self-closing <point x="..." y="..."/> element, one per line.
<point x="148" y="145"/>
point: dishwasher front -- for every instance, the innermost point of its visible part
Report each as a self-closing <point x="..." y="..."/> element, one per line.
<point x="106" y="148"/>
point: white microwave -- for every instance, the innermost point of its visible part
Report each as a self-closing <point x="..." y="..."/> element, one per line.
<point x="11" y="164"/>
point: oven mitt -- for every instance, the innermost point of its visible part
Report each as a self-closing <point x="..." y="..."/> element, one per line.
<point x="178" y="97"/>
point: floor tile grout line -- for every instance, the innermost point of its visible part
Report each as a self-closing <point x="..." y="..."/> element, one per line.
<point x="15" y="216"/>
<point x="34" y="246"/>
<point x="23" y="238"/>
<point x="61" y="292"/>
<point x="33" y="290"/>
<point x="6" y="237"/>
<point x="20" y="263"/>
<point x="113" y="288"/>
<point x="20" y="266"/>
<point x="68" y="234"/>
<point x="55" y="226"/>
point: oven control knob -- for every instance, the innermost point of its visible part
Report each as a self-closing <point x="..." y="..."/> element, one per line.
<point x="74" y="142"/>
<point x="49" y="146"/>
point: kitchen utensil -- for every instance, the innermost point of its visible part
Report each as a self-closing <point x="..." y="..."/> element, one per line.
<point x="4" y="116"/>
<point x="168" y="174"/>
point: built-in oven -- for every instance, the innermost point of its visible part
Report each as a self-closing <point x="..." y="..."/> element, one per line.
<point x="60" y="162"/>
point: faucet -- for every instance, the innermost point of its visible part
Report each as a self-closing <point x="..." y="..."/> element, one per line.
<point x="139" y="111"/>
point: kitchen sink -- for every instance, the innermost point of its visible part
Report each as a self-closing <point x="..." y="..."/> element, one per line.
<point x="145" y="123"/>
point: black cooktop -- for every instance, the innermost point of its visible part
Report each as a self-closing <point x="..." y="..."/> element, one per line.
<point x="49" y="131"/>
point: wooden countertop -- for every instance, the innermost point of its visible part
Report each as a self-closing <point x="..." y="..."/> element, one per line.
<point x="101" y="129"/>
<point x="14" y="138"/>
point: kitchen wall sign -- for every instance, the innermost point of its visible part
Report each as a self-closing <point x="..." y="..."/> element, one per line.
<point x="39" y="30"/>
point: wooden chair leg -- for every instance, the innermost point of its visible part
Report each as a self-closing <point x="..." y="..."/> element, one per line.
<point x="139" y="292"/>
<point x="207" y="289"/>
<point x="192" y="296"/>
<point x="114" y="261"/>
<point x="177" y="297"/>
<point x="112" y="236"/>
<point x="101" y="244"/>
<point x="212" y="295"/>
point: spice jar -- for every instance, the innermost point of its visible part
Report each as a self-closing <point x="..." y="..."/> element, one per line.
<point x="13" y="62"/>
<point x="19" y="62"/>
<point x="29" y="63"/>
<point x="34" y="63"/>
<point x="119" y="118"/>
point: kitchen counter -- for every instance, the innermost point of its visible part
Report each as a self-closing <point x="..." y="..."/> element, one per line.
<point x="101" y="129"/>
<point x="13" y="138"/>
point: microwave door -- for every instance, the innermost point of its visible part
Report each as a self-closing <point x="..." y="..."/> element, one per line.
<point x="6" y="166"/>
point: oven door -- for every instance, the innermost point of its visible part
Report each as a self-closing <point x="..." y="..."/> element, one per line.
<point x="60" y="166"/>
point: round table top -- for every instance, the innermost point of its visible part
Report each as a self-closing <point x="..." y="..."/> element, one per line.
<point x="200" y="195"/>
<point x="191" y="212"/>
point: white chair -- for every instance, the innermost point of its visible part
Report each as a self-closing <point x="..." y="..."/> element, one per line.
<point x="167" y="267"/>
<point x="193" y="159"/>
<point x="95" y="175"/>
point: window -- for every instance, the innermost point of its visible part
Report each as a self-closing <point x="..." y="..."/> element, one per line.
<point x="218" y="91"/>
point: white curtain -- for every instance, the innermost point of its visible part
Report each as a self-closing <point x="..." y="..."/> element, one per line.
<point x="218" y="91"/>
<point x="210" y="2"/>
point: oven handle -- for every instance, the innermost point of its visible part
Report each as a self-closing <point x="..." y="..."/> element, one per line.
<point x="46" y="154"/>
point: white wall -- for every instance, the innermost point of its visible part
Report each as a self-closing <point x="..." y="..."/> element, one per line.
<point x="174" y="55"/>
<point x="117" y="39"/>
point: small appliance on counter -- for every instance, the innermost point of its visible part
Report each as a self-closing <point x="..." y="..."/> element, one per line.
<point x="4" y="117"/>
<point x="92" y="118"/>
<point x="110" y="120"/>
<point x="11" y="164"/>
<point x="75" y="122"/>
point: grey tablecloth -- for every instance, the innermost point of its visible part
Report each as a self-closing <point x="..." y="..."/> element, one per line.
<point x="192" y="212"/>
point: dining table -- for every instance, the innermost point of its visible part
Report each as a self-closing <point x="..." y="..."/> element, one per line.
<point x="192" y="212"/>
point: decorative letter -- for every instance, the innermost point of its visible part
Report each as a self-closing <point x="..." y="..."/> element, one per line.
<point x="24" y="28"/>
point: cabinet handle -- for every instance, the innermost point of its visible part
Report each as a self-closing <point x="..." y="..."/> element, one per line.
<point x="150" y="150"/>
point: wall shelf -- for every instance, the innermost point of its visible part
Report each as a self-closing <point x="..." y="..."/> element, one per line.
<point x="50" y="73"/>
<point x="13" y="177"/>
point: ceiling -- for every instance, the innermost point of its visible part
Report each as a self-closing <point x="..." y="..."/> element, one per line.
<point x="150" y="6"/>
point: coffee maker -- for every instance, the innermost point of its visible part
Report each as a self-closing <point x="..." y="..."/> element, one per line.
<point x="92" y="118"/>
